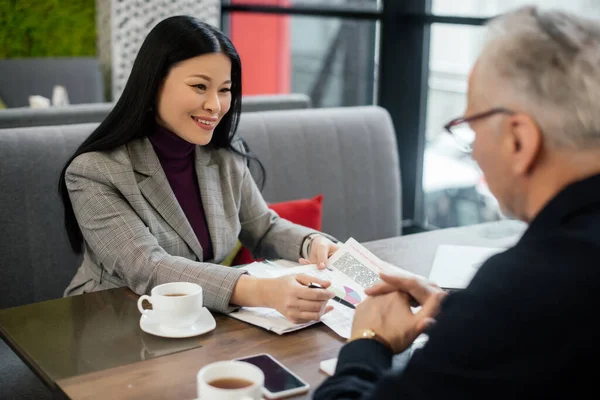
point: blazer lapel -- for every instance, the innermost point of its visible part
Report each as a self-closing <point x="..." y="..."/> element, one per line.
<point x="155" y="187"/>
<point x="212" y="200"/>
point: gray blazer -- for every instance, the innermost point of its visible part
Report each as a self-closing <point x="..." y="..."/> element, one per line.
<point x="136" y="234"/>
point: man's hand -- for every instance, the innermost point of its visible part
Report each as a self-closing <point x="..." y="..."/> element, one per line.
<point x="414" y="285"/>
<point x="390" y="316"/>
<point x="388" y="310"/>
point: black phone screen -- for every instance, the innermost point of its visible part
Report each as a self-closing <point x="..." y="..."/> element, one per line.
<point x="277" y="379"/>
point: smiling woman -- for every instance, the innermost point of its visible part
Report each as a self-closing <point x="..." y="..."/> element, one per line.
<point x="161" y="192"/>
<point x="196" y="94"/>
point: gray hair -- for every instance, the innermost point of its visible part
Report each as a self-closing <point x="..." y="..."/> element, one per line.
<point x="550" y="64"/>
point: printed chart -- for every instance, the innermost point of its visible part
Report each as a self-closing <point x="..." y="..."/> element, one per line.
<point x="346" y="293"/>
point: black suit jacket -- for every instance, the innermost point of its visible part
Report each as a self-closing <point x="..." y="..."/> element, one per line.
<point x="526" y="327"/>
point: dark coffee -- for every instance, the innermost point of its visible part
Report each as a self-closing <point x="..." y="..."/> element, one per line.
<point x="230" y="383"/>
<point x="176" y="294"/>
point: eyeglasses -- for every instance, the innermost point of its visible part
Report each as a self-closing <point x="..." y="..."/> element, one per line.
<point x="461" y="131"/>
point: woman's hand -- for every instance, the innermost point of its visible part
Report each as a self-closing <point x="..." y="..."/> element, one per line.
<point x="291" y="296"/>
<point x="321" y="249"/>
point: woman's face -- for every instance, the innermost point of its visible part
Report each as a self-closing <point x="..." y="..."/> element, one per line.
<point x="194" y="97"/>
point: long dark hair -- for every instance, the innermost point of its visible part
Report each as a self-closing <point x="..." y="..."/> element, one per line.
<point x="171" y="41"/>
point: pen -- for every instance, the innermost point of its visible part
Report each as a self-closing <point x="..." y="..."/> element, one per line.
<point x="335" y="298"/>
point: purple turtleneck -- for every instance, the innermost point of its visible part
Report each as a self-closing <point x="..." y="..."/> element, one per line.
<point x="177" y="158"/>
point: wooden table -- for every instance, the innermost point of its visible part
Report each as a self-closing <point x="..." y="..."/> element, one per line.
<point x="174" y="376"/>
<point x="91" y="346"/>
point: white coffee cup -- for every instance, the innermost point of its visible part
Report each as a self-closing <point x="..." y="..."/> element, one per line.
<point x="230" y="370"/>
<point x="174" y="305"/>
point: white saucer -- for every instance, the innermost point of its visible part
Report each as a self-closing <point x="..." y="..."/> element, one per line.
<point x="205" y="323"/>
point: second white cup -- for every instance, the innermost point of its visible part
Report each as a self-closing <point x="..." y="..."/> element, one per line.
<point x="174" y="305"/>
<point x="230" y="380"/>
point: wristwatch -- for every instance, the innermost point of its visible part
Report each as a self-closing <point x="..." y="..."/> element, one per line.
<point x="369" y="334"/>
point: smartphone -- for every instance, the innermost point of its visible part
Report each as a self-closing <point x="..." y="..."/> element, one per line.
<point x="279" y="380"/>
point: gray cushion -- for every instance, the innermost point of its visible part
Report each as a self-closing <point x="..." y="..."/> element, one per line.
<point x="35" y="258"/>
<point x="96" y="112"/>
<point x="347" y="154"/>
<point x="23" y="77"/>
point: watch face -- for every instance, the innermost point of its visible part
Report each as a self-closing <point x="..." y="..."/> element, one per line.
<point x="368" y="333"/>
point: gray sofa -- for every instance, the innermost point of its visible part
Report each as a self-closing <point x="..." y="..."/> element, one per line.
<point x="347" y="154"/>
<point x="96" y="112"/>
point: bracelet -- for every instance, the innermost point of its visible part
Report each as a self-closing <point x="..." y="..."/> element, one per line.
<point x="370" y="334"/>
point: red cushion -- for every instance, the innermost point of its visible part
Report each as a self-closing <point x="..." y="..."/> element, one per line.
<point x="305" y="212"/>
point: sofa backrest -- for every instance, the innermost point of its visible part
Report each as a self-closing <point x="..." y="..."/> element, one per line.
<point x="96" y="112"/>
<point x="272" y="102"/>
<point x="36" y="261"/>
<point x="21" y="117"/>
<point x="348" y="154"/>
<point x="24" y="77"/>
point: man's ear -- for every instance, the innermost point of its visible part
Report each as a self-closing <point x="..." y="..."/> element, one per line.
<point x="524" y="142"/>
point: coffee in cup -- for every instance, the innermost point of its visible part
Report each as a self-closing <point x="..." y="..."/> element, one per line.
<point x="230" y="383"/>
<point x="174" y="305"/>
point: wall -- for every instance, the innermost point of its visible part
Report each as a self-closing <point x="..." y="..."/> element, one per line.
<point x="130" y="22"/>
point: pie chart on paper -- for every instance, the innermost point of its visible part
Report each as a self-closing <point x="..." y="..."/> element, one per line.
<point x="346" y="293"/>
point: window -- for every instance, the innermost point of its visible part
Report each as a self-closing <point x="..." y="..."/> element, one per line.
<point x="370" y="4"/>
<point x="489" y="8"/>
<point x="332" y="60"/>
<point x="454" y="190"/>
<point x="331" y="51"/>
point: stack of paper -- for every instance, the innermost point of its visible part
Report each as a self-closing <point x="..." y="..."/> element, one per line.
<point x="268" y="319"/>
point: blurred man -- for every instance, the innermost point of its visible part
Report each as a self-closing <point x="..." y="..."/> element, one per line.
<point x="524" y="328"/>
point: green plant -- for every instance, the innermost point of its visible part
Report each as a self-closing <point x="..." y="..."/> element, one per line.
<point x="47" y="28"/>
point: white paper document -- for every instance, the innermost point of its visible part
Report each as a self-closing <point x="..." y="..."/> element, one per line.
<point x="455" y="266"/>
<point x="350" y="270"/>
<point x="268" y="319"/>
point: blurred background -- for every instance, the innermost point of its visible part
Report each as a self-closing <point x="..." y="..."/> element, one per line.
<point x="410" y="56"/>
